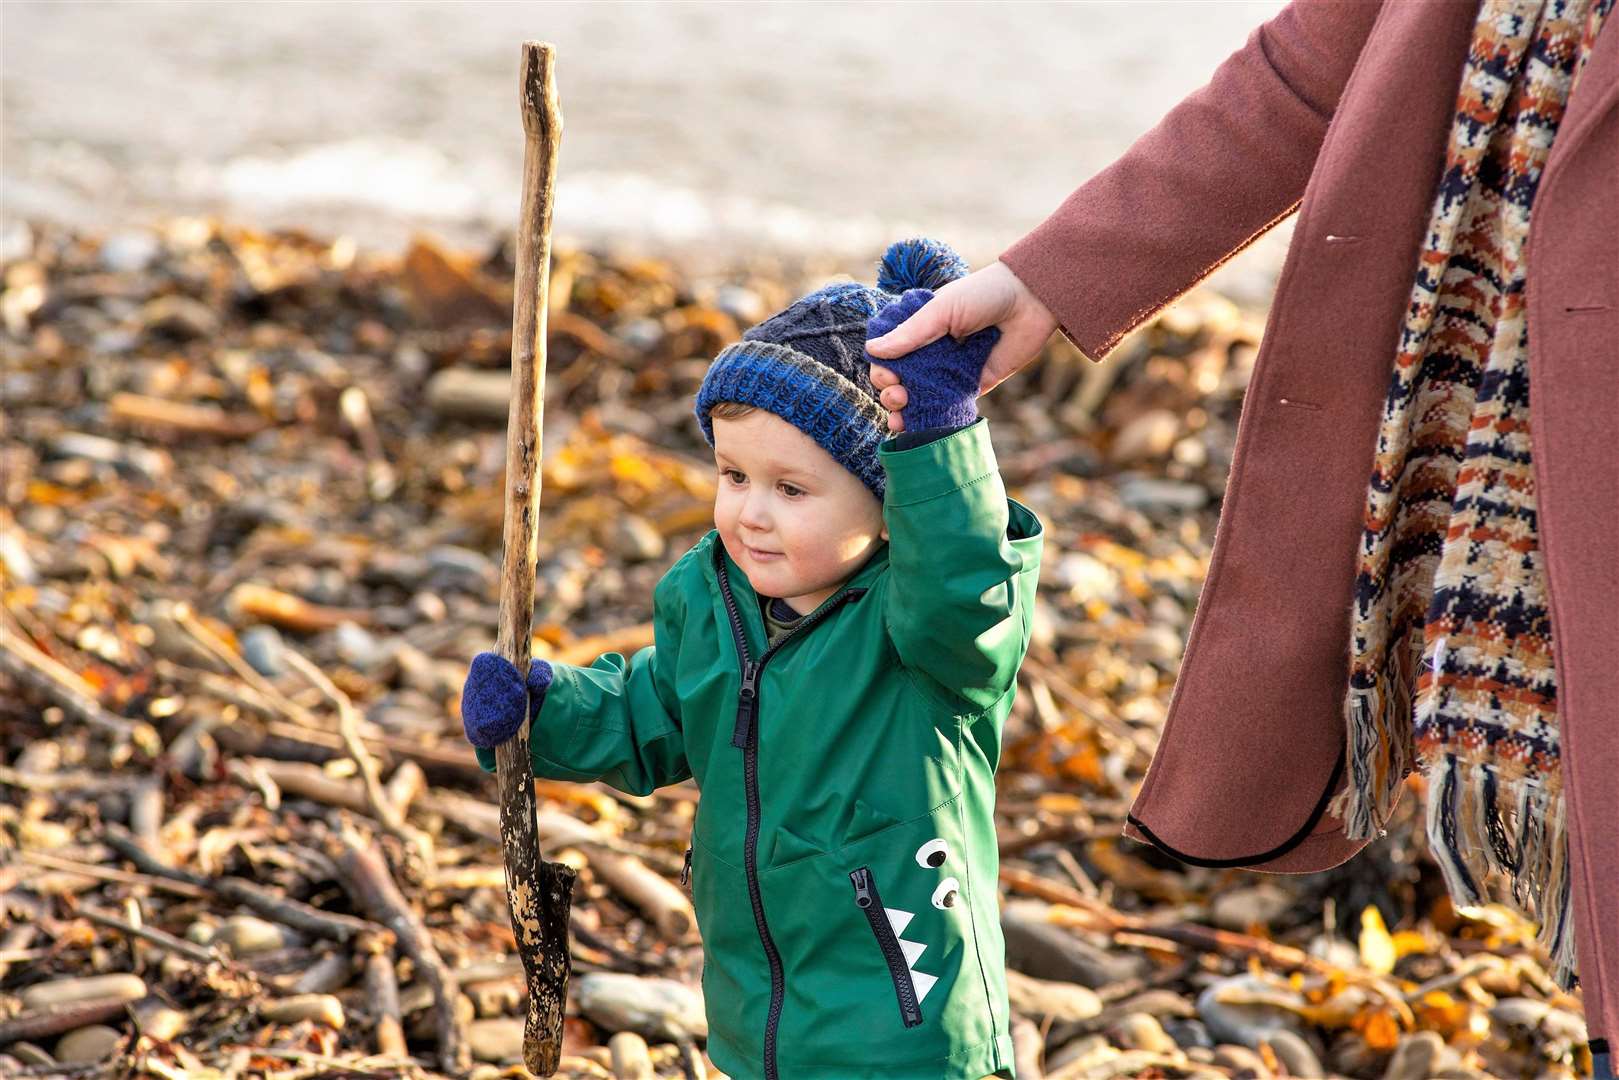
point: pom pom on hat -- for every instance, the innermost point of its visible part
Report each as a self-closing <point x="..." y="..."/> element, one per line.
<point x="807" y="364"/>
<point x="919" y="263"/>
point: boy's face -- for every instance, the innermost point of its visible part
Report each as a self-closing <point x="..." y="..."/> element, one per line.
<point x="798" y="523"/>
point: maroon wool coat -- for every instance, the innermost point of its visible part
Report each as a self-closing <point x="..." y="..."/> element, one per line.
<point x="1340" y="109"/>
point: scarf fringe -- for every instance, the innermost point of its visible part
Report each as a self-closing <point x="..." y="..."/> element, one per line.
<point x="1378" y="720"/>
<point x="1480" y="824"/>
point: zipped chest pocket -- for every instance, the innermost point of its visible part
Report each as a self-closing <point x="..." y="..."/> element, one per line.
<point x="870" y="901"/>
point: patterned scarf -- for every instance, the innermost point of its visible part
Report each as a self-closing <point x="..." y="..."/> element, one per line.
<point x="1451" y="664"/>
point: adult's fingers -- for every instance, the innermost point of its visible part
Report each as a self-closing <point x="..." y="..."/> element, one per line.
<point x="881" y="377"/>
<point x="894" y="398"/>
<point x="930" y="323"/>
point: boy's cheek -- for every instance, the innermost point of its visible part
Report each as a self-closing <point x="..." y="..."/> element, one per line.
<point x="725" y="522"/>
<point x="724" y="514"/>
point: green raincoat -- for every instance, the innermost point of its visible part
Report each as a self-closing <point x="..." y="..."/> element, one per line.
<point x="843" y="862"/>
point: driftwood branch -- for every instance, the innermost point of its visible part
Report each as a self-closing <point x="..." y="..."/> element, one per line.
<point x="348" y="727"/>
<point x="1084" y="912"/>
<point x="382" y="990"/>
<point x="242" y="982"/>
<point x="62" y="686"/>
<point x="288" y="912"/>
<point x="107" y="873"/>
<point x="538" y="893"/>
<point x="178" y="418"/>
<point x="54" y="1019"/>
<point x="211" y="643"/>
<point x="379" y="474"/>
<point x="418" y="847"/>
<point x="662" y="901"/>
<point x="365" y="877"/>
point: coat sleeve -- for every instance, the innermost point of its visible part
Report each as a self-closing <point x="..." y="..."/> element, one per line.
<point x="963" y="565"/>
<point x="1221" y="168"/>
<point x="617" y="720"/>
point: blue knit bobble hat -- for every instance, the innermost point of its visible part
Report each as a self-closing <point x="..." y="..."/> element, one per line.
<point x="807" y="364"/>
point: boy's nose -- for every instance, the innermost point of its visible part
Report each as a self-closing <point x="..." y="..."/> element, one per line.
<point x="753" y="513"/>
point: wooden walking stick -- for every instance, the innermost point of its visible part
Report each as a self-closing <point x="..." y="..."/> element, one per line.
<point x="538" y="892"/>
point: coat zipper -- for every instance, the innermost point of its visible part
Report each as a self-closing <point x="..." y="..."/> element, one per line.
<point x="746" y="737"/>
<point x="867" y="898"/>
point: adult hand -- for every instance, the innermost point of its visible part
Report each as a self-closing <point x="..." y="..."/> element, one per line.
<point x="992" y="296"/>
<point x="943" y="374"/>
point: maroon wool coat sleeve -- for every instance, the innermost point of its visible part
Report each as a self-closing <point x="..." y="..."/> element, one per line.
<point x="1222" y="167"/>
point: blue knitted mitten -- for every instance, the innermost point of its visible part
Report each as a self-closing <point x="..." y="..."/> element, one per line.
<point x="940" y="378"/>
<point x="492" y="698"/>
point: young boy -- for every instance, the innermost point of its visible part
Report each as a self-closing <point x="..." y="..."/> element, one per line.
<point x="833" y="662"/>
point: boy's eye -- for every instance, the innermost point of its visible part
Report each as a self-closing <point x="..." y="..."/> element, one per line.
<point x="733" y="475"/>
<point x="791" y="491"/>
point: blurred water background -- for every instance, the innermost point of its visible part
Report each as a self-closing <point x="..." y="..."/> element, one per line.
<point x="702" y="130"/>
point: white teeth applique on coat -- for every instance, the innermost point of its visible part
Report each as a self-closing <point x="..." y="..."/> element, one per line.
<point x="921" y="980"/>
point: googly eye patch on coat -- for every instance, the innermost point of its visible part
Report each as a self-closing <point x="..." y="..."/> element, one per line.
<point x="932" y="853"/>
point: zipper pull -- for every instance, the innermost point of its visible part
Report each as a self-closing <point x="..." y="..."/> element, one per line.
<point x="862" y="886"/>
<point x="685" y="869"/>
<point x="747" y="705"/>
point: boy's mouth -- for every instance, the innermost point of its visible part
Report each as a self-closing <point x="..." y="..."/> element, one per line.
<point x="762" y="556"/>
